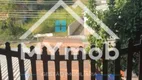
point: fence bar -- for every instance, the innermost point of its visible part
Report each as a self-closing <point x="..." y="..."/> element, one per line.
<point x="45" y="63"/>
<point x="69" y="66"/>
<point x="93" y="68"/>
<point x="57" y="65"/>
<point x="117" y="64"/>
<point x="0" y="73"/>
<point x="9" y="61"/>
<point x="129" y="62"/>
<point x="21" y="63"/>
<point x="140" y="67"/>
<point x="33" y="64"/>
<point x="105" y="64"/>
<point x="81" y="63"/>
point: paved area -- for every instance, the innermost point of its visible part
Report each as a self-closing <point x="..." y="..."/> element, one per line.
<point x="15" y="64"/>
<point x="72" y="42"/>
<point x="63" y="70"/>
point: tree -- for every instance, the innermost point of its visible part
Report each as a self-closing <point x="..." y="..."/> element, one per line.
<point x="9" y="27"/>
<point x="92" y="40"/>
<point x="123" y="17"/>
<point x="95" y="26"/>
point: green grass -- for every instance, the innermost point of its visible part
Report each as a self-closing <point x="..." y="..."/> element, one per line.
<point x="13" y="33"/>
<point x="48" y="25"/>
<point x="60" y="34"/>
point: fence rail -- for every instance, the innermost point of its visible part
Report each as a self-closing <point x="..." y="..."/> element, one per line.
<point x="45" y="57"/>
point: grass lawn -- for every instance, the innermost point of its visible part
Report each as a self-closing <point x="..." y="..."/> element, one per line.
<point x="48" y="25"/>
<point x="60" y="34"/>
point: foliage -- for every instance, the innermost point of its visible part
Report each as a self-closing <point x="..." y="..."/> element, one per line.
<point x="11" y="26"/>
<point x="14" y="27"/>
<point x="95" y="26"/>
<point x="120" y="18"/>
<point x="124" y="18"/>
<point x="92" y="40"/>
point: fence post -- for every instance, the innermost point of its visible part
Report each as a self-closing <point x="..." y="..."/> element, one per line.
<point x="69" y="65"/>
<point x="0" y="73"/>
<point x="57" y="65"/>
<point x="140" y="67"/>
<point x="117" y="63"/>
<point x="81" y="64"/>
<point x="9" y="61"/>
<point x="130" y="57"/>
<point x="45" y="63"/>
<point x="105" y="64"/>
<point x="93" y="68"/>
<point x="21" y="63"/>
<point x="33" y="64"/>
